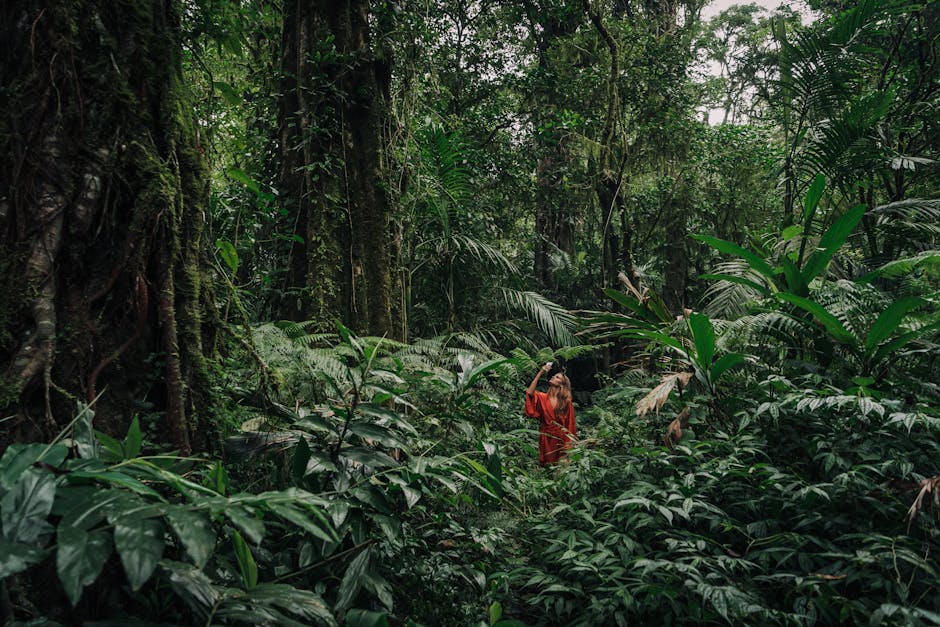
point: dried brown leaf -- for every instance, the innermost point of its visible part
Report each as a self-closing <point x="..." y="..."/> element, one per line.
<point x="658" y="396"/>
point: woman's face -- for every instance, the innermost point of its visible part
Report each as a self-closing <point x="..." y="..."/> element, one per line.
<point x="558" y="380"/>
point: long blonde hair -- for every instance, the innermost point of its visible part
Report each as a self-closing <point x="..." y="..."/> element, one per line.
<point x="561" y="393"/>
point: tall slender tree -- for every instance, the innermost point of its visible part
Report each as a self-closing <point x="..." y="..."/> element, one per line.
<point x="334" y="100"/>
<point x="102" y="215"/>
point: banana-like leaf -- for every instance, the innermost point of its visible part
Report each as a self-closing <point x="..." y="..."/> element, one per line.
<point x="756" y="263"/>
<point x="832" y="240"/>
<point x="832" y="324"/>
<point x="889" y="320"/>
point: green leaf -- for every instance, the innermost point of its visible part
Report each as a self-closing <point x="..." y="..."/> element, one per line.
<point x="302" y="519"/>
<point x="723" y="364"/>
<point x="229" y="93"/>
<point x="194" y="529"/>
<point x="794" y="278"/>
<point x="83" y="433"/>
<point x="496" y="612"/>
<point x="703" y="334"/>
<point x="813" y="194"/>
<point x="366" y="618"/>
<point x="134" y="439"/>
<point x="228" y="253"/>
<point x="740" y="280"/>
<point x="218" y="478"/>
<point x="756" y="263"/>
<point x="24" y="508"/>
<point x="353" y="579"/>
<point x="902" y="340"/>
<point x="242" y="177"/>
<point x="299" y="460"/>
<point x="377" y="433"/>
<point x="18" y="457"/>
<point x="139" y="543"/>
<point x="247" y="522"/>
<point x="368" y="456"/>
<point x="831" y="241"/>
<point x="832" y="324"/>
<point x="889" y="320"/>
<point x="80" y="556"/>
<point x="15" y="558"/>
<point x="246" y="561"/>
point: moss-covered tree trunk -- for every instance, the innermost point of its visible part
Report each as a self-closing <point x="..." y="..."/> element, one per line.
<point x="102" y="214"/>
<point x="335" y="91"/>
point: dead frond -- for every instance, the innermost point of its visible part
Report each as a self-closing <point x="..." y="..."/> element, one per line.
<point x="658" y="396"/>
<point x="927" y="486"/>
<point x="674" y="430"/>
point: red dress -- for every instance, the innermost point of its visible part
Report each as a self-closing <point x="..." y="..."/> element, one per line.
<point x="556" y="433"/>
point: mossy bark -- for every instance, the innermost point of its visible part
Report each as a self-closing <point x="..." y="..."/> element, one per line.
<point x="335" y="90"/>
<point x="102" y="229"/>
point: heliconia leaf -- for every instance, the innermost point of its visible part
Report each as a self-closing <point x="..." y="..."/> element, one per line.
<point x="246" y="561"/>
<point x="194" y="529"/>
<point x="832" y="324"/>
<point x="795" y="282"/>
<point x="24" y="508"/>
<point x="376" y="433"/>
<point x="703" y="334"/>
<point x="889" y="320"/>
<point x="813" y="194"/>
<point x="723" y="364"/>
<point x="80" y="556"/>
<point x="139" y="543"/>
<point x="832" y="240"/>
<point x="353" y="579"/>
<point x="755" y="262"/>
<point x="18" y="457"/>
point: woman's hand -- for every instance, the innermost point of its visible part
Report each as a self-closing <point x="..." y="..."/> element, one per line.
<point x="548" y="366"/>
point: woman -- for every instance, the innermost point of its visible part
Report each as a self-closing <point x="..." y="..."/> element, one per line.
<point x="555" y="413"/>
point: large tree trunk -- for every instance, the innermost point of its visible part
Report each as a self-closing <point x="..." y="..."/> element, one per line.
<point x="101" y="218"/>
<point x="334" y="102"/>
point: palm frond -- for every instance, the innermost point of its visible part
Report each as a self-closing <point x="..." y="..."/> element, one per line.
<point x="552" y="319"/>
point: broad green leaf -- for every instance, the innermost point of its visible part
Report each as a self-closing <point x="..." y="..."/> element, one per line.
<point x="377" y="433"/>
<point x="16" y="557"/>
<point x="194" y="529"/>
<point x="133" y="440"/>
<point x="228" y="253"/>
<point x="116" y="478"/>
<point x="372" y="496"/>
<point x="24" y="508"/>
<point x="139" y="543"/>
<point x="229" y="93"/>
<point x="111" y="445"/>
<point x="832" y="324"/>
<point x="80" y="556"/>
<point x="723" y="364"/>
<point x="298" y="602"/>
<point x="299" y="460"/>
<point x="831" y="242"/>
<point x="889" y="320"/>
<point x="83" y="433"/>
<point x="899" y="342"/>
<point x="308" y="520"/>
<point x="412" y="496"/>
<point x="813" y="194"/>
<point x="242" y="177"/>
<point x="192" y="585"/>
<point x="625" y="300"/>
<point x="366" y="618"/>
<point x="246" y="561"/>
<point x="703" y="334"/>
<point x="367" y="456"/>
<point x="18" y="457"/>
<point x="247" y="522"/>
<point x="756" y="263"/>
<point x="218" y="478"/>
<point x="353" y="579"/>
<point x="795" y="282"/>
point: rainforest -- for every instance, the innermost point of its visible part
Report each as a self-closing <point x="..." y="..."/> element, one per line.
<point x="498" y="313"/>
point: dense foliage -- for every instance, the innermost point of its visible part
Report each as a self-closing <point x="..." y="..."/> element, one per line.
<point x="748" y="309"/>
